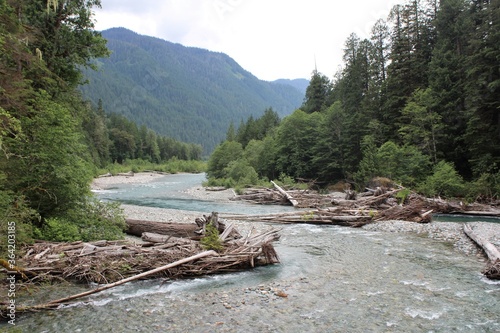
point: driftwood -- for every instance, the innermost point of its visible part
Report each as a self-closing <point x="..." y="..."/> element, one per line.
<point x="156" y="256"/>
<point x="301" y="198"/>
<point x="58" y="302"/>
<point x="353" y="218"/>
<point x="380" y="204"/>
<point x="109" y="261"/>
<point x="138" y="227"/>
<point x="294" y="202"/>
<point x="492" y="270"/>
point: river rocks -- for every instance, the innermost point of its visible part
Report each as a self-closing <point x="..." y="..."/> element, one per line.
<point x="450" y="232"/>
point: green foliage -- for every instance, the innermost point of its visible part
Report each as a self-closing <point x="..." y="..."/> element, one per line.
<point x="128" y="141"/>
<point x="406" y="164"/>
<point x="224" y="154"/>
<point x="49" y="163"/>
<point x="91" y="220"/>
<point x="241" y="172"/>
<point x="316" y="93"/>
<point x="445" y="181"/>
<point x="486" y="188"/>
<point x="189" y="94"/>
<point x="368" y="167"/>
<point x="422" y="125"/>
<point x="66" y="37"/>
<point x="290" y="183"/>
<point x="402" y="195"/>
<point x="58" y="230"/>
<point x="173" y="165"/>
<point x="257" y="129"/>
<point x="224" y="182"/>
<point x="295" y="137"/>
<point x="211" y="240"/>
<point x="15" y="214"/>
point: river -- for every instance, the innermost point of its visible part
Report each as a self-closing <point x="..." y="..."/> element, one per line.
<point x="331" y="279"/>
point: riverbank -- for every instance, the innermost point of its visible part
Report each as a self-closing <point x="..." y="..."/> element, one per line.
<point x="449" y="232"/>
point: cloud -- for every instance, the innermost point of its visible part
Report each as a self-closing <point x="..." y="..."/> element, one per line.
<point x="272" y="39"/>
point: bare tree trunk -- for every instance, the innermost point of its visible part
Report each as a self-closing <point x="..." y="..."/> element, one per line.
<point x="285" y="194"/>
<point x="184" y="230"/>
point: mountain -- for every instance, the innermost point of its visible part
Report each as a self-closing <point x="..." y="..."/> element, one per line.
<point x="300" y="84"/>
<point x="187" y="93"/>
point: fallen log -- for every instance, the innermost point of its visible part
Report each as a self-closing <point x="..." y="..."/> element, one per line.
<point x="165" y="239"/>
<point x="490" y="249"/>
<point x="492" y="270"/>
<point x="294" y="202"/>
<point x="183" y="230"/>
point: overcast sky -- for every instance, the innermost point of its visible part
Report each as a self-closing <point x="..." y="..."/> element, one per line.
<point x="272" y="39"/>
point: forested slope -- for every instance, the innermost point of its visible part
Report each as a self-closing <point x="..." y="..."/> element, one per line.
<point x="417" y="102"/>
<point x="187" y="93"/>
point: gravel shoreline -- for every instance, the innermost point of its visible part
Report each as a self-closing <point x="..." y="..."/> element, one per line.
<point x="449" y="232"/>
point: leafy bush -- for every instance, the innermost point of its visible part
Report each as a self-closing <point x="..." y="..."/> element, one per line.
<point x="486" y="188"/>
<point x="402" y="195"/>
<point x="445" y="181"/>
<point x="241" y="172"/>
<point x="211" y="240"/>
<point x="289" y="183"/>
<point x="224" y="154"/>
<point x="17" y="216"/>
<point x="58" y="230"/>
<point x="91" y="220"/>
<point x="406" y="164"/>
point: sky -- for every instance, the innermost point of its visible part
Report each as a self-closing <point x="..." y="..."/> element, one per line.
<point x="272" y="39"/>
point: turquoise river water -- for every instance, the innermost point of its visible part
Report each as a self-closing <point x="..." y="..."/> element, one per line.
<point x="335" y="279"/>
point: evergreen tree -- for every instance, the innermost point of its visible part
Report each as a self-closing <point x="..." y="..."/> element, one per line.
<point x="422" y="124"/>
<point x="483" y="87"/>
<point x="317" y="93"/>
<point x="447" y="79"/>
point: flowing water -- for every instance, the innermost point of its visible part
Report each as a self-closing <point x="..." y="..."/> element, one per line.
<point x="331" y="279"/>
<point x="171" y="192"/>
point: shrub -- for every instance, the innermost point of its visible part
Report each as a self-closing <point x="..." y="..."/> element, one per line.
<point x="90" y="220"/>
<point x="211" y="240"/>
<point x="445" y="181"/>
<point x="58" y="230"/>
<point x="486" y="188"/>
<point x="16" y="217"/>
<point x="241" y="172"/>
<point x="402" y="195"/>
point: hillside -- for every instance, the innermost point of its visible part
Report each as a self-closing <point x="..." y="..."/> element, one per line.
<point x="187" y="93"/>
<point x="300" y="84"/>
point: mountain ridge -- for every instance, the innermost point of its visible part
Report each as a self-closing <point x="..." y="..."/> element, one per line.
<point x="188" y="93"/>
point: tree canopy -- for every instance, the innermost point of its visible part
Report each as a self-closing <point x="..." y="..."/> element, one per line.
<point x="51" y="140"/>
<point x="417" y="99"/>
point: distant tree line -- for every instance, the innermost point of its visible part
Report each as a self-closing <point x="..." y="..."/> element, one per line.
<point x="114" y="139"/>
<point x="187" y="93"/>
<point x="418" y="102"/>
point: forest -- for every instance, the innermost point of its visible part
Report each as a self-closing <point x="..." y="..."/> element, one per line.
<point x="417" y="103"/>
<point x="52" y="141"/>
<point x="188" y="93"/>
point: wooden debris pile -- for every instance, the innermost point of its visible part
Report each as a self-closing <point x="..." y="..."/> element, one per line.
<point x="110" y="261"/>
<point x="374" y="205"/>
<point x="278" y="196"/>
